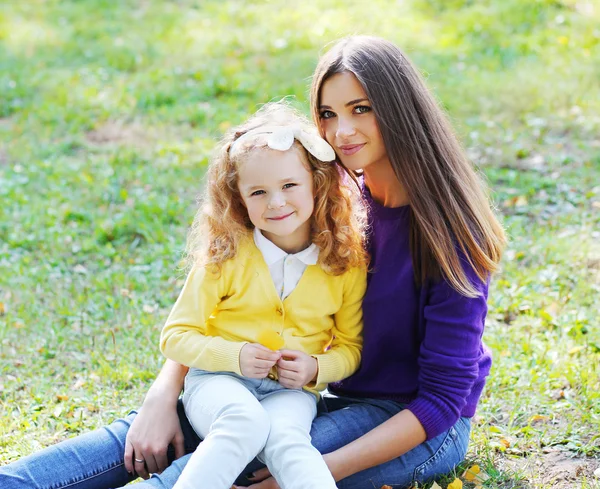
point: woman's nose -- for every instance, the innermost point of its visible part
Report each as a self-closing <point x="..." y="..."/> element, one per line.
<point x="345" y="128"/>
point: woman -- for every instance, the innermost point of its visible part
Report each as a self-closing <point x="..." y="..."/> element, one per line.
<point x="434" y="244"/>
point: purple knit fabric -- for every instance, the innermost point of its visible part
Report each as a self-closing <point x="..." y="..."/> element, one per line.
<point x="422" y="346"/>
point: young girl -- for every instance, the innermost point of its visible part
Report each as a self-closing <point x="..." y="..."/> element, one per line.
<point x="277" y="261"/>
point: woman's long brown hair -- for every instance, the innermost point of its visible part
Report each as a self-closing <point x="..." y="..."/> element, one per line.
<point x="451" y="217"/>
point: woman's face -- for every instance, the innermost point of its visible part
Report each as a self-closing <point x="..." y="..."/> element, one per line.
<point x="348" y="123"/>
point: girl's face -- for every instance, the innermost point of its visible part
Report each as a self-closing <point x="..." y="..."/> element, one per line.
<point x="277" y="190"/>
<point x="348" y="123"/>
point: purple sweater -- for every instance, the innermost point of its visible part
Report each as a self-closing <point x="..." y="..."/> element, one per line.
<point x="422" y="346"/>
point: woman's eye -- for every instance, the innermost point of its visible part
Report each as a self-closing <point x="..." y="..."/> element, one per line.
<point x="257" y="192"/>
<point x="362" y="109"/>
<point x="326" y="114"/>
<point x="289" y="185"/>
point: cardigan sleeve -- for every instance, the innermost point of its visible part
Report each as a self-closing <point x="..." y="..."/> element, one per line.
<point x="343" y="357"/>
<point x="184" y="339"/>
<point x="449" y="354"/>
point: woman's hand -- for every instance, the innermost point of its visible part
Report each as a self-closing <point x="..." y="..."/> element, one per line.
<point x="256" y="360"/>
<point x="295" y="369"/>
<point x="266" y="480"/>
<point x="155" y="427"/>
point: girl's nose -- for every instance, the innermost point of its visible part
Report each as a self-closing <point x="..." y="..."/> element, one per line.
<point x="277" y="201"/>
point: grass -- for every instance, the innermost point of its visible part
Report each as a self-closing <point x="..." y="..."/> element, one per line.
<point x="109" y="111"/>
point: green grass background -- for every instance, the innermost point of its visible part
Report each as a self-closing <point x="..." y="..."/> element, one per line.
<point x="109" y="112"/>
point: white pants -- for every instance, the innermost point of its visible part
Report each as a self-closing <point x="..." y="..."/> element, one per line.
<point x="224" y="409"/>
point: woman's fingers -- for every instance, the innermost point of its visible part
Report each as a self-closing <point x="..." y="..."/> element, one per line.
<point x="128" y="457"/>
<point x="139" y="464"/>
<point x="260" y="474"/>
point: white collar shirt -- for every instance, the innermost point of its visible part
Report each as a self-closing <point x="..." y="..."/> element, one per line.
<point x="286" y="269"/>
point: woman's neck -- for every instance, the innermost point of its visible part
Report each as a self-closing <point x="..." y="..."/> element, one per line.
<point x="384" y="186"/>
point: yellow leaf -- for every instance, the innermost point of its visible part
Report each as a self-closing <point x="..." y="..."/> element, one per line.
<point x="455" y="484"/>
<point x="471" y="473"/>
<point x="538" y="417"/>
<point x="270" y="339"/>
<point x="505" y="442"/>
<point x="62" y="397"/>
<point x="2" y="308"/>
<point x="575" y="350"/>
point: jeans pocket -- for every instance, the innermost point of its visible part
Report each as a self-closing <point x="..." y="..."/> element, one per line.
<point x="443" y="459"/>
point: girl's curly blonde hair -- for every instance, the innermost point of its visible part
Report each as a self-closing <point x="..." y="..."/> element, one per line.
<point x="338" y="221"/>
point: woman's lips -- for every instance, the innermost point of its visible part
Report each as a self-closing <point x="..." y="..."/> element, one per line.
<point x="350" y="149"/>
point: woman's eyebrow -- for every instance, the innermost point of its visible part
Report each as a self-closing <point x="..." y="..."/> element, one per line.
<point x="347" y="104"/>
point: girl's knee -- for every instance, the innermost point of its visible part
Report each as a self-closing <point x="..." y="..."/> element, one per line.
<point x="250" y="422"/>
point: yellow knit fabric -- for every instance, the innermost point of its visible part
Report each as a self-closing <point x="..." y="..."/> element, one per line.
<point x="216" y="314"/>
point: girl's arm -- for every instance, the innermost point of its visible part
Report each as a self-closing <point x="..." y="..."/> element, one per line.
<point x="184" y="338"/>
<point x="343" y="357"/>
<point x="156" y="425"/>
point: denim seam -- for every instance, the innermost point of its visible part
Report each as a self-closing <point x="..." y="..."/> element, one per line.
<point x="442" y="449"/>
<point x="88" y="477"/>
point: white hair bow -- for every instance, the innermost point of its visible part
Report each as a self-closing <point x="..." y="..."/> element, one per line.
<point x="281" y="138"/>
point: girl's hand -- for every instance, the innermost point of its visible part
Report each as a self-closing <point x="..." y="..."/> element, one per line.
<point x="295" y="369"/>
<point x="155" y="427"/>
<point x="256" y="360"/>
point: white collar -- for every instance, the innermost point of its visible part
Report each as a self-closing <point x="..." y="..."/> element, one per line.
<point x="272" y="253"/>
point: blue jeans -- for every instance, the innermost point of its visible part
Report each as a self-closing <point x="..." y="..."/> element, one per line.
<point x="95" y="460"/>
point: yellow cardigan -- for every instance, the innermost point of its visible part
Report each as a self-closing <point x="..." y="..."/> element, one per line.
<point x="217" y="314"/>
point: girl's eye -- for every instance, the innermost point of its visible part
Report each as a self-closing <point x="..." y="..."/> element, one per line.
<point x="289" y="185"/>
<point x="326" y="114"/>
<point x="362" y="109"/>
<point x="257" y="192"/>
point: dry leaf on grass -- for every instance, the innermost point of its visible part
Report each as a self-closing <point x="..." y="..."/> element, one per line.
<point x="455" y="484"/>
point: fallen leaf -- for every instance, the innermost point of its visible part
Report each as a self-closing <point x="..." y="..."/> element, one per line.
<point x="505" y="442"/>
<point x="455" y="484"/>
<point x="435" y="486"/>
<point x="2" y="308"/>
<point x="576" y="349"/>
<point x="471" y="473"/>
<point x="538" y="418"/>
<point x="62" y="397"/>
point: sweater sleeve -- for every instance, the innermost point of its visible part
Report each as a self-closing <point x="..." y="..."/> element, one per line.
<point x="449" y="354"/>
<point x="343" y="357"/>
<point x="184" y="339"/>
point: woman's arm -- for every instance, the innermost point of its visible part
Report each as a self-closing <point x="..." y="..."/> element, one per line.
<point x="157" y="426"/>
<point x="391" y="439"/>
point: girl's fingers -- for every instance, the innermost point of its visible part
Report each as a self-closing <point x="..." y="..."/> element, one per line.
<point x="288" y="365"/>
